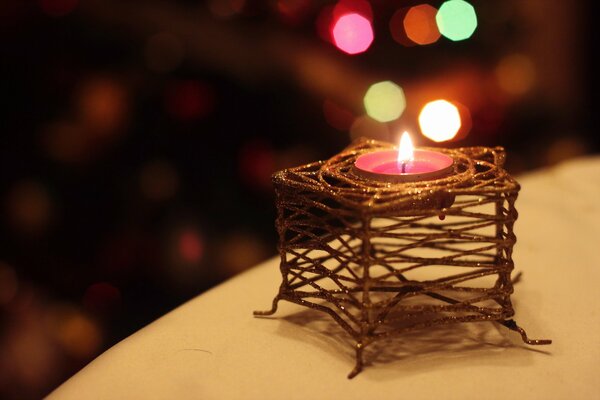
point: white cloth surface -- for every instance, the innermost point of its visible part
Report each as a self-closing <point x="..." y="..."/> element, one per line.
<point x="213" y="348"/>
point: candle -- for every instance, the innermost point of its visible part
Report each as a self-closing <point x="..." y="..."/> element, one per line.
<point x="406" y="164"/>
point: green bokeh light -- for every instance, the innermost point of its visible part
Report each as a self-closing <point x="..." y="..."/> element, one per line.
<point x="384" y="101"/>
<point x="456" y="20"/>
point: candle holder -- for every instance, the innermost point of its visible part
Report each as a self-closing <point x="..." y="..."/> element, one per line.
<point x="384" y="258"/>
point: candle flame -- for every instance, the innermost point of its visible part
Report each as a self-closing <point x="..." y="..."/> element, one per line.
<point x="406" y="149"/>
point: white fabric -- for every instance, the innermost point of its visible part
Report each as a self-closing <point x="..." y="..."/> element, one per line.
<point x="213" y="348"/>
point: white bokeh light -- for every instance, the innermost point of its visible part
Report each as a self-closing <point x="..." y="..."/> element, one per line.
<point x="439" y="120"/>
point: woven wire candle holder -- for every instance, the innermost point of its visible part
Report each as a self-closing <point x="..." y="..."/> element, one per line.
<point x="385" y="258"/>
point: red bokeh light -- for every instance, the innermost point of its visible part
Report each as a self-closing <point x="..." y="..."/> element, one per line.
<point x="257" y="164"/>
<point x="324" y="23"/>
<point x="352" y="33"/>
<point x="190" y="246"/>
<point x="189" y="100"/>
<point x="101" y="297"/>
<point x="58" y="8"/>
<point x="397" y="27"/>
<point x="294" y="12"/>
<point x="337" y="116"/>
<point x="361" y="7"/>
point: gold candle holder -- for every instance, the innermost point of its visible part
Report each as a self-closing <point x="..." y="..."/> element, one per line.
<point x="384" y="258"/>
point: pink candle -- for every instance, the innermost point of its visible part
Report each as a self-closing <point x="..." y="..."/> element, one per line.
<point x="405" y="164"/>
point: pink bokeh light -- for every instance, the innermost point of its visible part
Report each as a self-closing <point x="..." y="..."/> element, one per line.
<point x="352" y="33"/>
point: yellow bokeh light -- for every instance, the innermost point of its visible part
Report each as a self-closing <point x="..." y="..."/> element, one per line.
<point x="439" y="120"/>
<point x="385" y="101"/>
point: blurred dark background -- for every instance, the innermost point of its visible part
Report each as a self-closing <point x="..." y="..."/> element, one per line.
<point x="138" y="138"/>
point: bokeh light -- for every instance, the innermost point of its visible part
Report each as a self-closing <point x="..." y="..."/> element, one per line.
<point x="103" y="105"/>
<point x="76" y="332"/>
<point x="189" y="100"/>
<point x="225" y="8"/>
<point x="397" y="30"/>
<point x="456" y="20"/>
<point x="159" y="180"/>
<point x="101" y="297"/>
<point x="515" y="74"/>
<point x="323" y="23"/>
<point x="294" y="12"/>
<point x="352" y="33"/>
<point x="361" y="7"/>
<point x="163" y="52"/>
<point x="185" y="249"/>
<point x="384" y="101"/>
<point x="257" y="164"/>
<point x="102" y="109"/>
<point x="466" y="121"/>
<point x="29" y="355"/>
<point x="564" y="148"/>
<point x="241" y="250"/>
<point x="439" y="120"/>
<point x="58" y="8"/>
<point x="190" y="245"/>
<point x="9" y="283"/>
<point x="337" y="116"/>
<point x="65" y="142"/>
<point x="122" y="252"/>
<point x="29" y="207"/>
<point x="420" y="24"/>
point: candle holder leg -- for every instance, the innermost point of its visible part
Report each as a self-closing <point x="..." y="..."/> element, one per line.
<point x="512" y="325"/>
<point x="359" y="347"/>
<point x="272" y="311"/>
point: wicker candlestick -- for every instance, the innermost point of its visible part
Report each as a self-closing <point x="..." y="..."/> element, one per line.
<point x="384" y="258"/>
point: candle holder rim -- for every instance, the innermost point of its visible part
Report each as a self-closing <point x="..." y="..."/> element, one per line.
<point x="336" y="178"/>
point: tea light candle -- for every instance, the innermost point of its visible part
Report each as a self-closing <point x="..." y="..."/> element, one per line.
<point x="404" y="165"/>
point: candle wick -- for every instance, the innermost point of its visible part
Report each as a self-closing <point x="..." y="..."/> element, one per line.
<point x="403" y="167"/>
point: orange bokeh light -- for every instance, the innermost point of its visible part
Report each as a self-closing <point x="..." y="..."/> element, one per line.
<point x="420" y="25"/>
<point x="516" y="74"/>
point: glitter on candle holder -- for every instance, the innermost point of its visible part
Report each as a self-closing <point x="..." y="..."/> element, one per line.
<point x="383" y="259"/>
